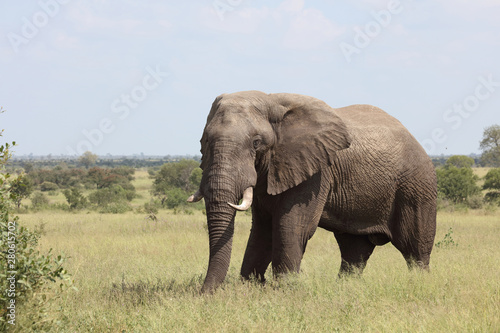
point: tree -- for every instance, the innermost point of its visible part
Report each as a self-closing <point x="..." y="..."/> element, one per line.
<point x="112" y="199"/>
<point x="492" y="183"/>
<point x="175" y="180"/>
<point x="490" y="145"/>
<point x="75" y="198"/>
<point x="457" y="183"/>
<point x="460" y="161"/>
<point x="106" y="177"/>
<point x="182" y="174"/>
<point x="21" y="187"/>
<point x="87" y="159"/>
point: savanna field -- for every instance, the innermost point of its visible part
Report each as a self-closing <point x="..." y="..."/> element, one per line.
<point x="134" y="273"/>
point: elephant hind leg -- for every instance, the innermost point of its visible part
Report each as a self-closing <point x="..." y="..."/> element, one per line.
<point x="355" y="251"/>
<point x="413" y="234"/>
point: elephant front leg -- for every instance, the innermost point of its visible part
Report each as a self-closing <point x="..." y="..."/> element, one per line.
<point x="295" y="222"/>
<point x="289" y="244"/>
<point x="259" y="249"/>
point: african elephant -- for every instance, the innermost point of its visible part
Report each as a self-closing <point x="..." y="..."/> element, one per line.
<point x="355" y="171"/>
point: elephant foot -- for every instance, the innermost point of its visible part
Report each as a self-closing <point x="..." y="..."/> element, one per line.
<point x="351" y="269"/>
<point x="420" y="265"/>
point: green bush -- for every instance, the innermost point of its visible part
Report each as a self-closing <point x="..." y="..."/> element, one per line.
<point x="48" y="186"/>
<point x="152" y="207"/>
<point x="460" y="161"/>
<point x="175" y="198"/>
<point x="116" y="208"/>
<point x="492" y="183"/>
<point x="457" y="184"/>
<point x="184" y="175"/>
<point x="492" y="197"/>
<point x="112" y="199"/>
<point x="475" y="201"/>
<point x="26" y="276"/>
<point x="75" y="198"/>
<point x="21" y="187"/>
<point x="39" y="201"/>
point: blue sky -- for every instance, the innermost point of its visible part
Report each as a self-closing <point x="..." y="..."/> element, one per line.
<point x="131" y="77"/>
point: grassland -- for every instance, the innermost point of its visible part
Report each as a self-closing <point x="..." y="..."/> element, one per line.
<point x="135" y="275"/>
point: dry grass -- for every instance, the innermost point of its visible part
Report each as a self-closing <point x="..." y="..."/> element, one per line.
<point x="135" y="275"/>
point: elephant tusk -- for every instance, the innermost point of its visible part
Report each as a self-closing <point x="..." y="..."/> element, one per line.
<point x="195" y="197"/>
<point x="247" y="200"/>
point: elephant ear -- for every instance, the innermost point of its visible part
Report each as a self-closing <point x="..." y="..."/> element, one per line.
<point x="308" y="139"/>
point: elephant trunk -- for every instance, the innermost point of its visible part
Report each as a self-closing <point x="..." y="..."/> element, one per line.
<point x="220" y="218"/>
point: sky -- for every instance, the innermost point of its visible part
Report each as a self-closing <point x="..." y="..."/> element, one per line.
<point x="130" y="77"/>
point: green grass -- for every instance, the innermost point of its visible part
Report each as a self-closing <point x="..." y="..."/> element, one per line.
<point x="481" y="172"/>
<point x="134" y="275"/>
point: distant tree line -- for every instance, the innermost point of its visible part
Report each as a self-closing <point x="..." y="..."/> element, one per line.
<point x="111" y="188"/>
<point x="40" y="162"/>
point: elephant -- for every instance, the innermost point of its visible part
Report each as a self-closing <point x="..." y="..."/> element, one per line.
<point x="300" y="164"/>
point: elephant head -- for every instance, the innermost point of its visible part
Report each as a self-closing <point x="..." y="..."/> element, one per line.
<point x="255" y="140"/>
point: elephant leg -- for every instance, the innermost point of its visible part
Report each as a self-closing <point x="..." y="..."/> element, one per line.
<point x="289" y="245"/>
<point x="355" y="251"/>
<point x="295" y="220"/>
<point x="291" y="232"/>
<point x="413" y="233"/>
<point x="258" y="253"/>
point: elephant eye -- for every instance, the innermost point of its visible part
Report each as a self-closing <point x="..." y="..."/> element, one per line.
<point x="256" y="143"/>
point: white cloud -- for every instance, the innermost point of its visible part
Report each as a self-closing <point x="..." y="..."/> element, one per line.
<point x="301" y="28"/>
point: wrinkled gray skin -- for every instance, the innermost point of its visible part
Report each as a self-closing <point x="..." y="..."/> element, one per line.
<point x="355" y="171"/>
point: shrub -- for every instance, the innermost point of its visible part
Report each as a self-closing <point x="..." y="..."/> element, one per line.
<point x="175" y="198"/>
<point x="492" y="197"/>
<point x="48" y="186"/>
<point x="114" y="195"/>
<point x="39" y="201"/>
<point x="447" y="241"/>
<point x="151" y="207"/>
<point x="460" y="161"/>
<point x="116" y="208"/>
<point x="26" y="276"/>
<point x="475" y="201"/>
<point x="184" y="175"/>
<point x="21" y="187"/>
<point x="492" y="183"/>
<point x="75" y="198"/>
<point x="456" y="184"/>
